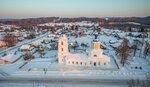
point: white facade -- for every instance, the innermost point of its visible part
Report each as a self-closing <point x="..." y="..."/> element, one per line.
<point x="62" y="48"/>
<point x="94" y="57"/>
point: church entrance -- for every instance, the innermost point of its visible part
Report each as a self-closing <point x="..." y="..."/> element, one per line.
<point x="94" y="63"/>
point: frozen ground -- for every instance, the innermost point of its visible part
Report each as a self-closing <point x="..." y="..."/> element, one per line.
<point x="48" y="68"/>
<point x="34" y="84"/>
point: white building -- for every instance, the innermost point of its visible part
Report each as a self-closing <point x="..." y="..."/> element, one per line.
<point x="25" y="48"/>
<point x="62" y="48"/>
<point x="94" y="57"/>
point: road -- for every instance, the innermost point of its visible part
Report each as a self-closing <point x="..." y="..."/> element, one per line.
<point x="67" y="81"/>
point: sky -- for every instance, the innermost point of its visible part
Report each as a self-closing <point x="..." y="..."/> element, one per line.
<point x="73" y="8"/>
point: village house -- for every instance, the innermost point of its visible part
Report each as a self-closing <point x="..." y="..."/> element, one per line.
<point x="25" y="48"/>
<point x="2" y="44"/>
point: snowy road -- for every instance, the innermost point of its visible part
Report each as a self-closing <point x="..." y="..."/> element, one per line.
<point x="69" y="81"/>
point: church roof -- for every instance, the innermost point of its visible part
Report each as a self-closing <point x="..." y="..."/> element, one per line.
<point x="96" y="50"/>
<point x="76" y="56"/>
<point x="105" y="57"/>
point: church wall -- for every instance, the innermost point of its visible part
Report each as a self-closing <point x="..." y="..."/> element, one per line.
<point x="76" y="62"/>
<point x="99" y="62"/>
<point x="91" y="63"/>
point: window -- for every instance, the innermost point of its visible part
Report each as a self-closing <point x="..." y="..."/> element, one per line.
<point x="72" y="62"/>
<point x="81" y="63"/>
<point x="85" y="63"/>
<point x="76" y="62"/>
<point x="99" y="63"/>
<point x="94" y="63"/>
<point x="61" y="49"/>
<point x="91" y="62"/>
<point x="95" y="55"/>
<point x="68" y="62"/>
<point x="62" y="60"/>
<point x="61" y="43"/>
<point x="104" y="63"/>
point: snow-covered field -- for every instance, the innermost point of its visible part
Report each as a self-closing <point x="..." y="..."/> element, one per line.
<point x="54" y="85"/>
<point x="47" y="66"/>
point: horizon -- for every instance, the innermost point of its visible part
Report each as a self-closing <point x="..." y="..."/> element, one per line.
<point x="73" y="8"/>
<point x="72" y="17"/>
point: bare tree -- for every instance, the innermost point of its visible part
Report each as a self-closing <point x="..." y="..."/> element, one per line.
<point x="138" y="83"/>
<point x="28" y="56"/>
<point x="41" y="52"/>
<point x="84" y="45"/>
<point x="141" y="49"/>
<point x="124" y="51"/>
<point x="146" y="48"/>
<point x="10" y="39"/>
<point x="134" y="47"/>
<point x="53" y="30"/>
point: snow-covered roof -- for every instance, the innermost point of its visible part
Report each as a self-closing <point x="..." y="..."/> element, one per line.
<point x="96" y="50"/>
<point x="25" y="47"/>
<point x="1" y="42"/>
<point x="105" y="57"/>
<point x="76" y="56"/>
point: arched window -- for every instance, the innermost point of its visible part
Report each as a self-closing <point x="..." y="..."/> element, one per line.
<point x="72" y="62"/>
<point x="81" y="63"/>
<point x="61" y="49"/>
<point x="76" y="62"/>
<point x="91" y="62"/>
<point x="61" y="43"/>
<point x="95" y="55"/>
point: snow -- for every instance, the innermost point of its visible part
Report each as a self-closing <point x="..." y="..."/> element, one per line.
<point x="55" y="70"/>
<point x="76" y="56"/>
<point x="70" y="24"/>
<point x="31" y="84"/>
<point x="38" y="63"/>
<point x="10" y="57"/>
<point x="1" y="42"/>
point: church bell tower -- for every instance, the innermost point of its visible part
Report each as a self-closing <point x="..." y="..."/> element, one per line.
<point x="62" y="47"/>
<point x="95" y="43"/>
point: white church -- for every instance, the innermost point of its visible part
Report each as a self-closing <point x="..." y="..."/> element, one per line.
<point x="94" y="58"/>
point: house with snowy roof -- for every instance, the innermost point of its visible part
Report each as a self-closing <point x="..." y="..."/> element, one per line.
<point x="94" y="57"/>
<point x="2" y="43"/>
<point x="25" y="48"/>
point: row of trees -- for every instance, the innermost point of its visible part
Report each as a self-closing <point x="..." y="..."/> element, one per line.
<point x="124" y="50"/>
